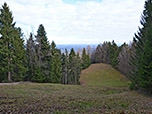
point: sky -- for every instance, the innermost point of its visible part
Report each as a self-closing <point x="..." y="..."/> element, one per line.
<point x="79" y="21"/>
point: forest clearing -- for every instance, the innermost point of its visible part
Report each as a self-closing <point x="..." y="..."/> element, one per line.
<point x="99" y="65"/>
<point x="94" y="96"/>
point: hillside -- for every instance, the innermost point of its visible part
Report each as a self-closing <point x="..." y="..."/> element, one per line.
<point x="103" y="75"/>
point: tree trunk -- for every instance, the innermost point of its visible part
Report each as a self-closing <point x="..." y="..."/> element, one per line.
<point x="66" y="75"/>
<point x="9" y="76"/>
<point x="75" y="76"/>
<point x="9" y="73"/>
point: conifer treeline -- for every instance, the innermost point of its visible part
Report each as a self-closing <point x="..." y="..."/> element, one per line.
<point x="133" y="60"/>
<point x="37" y="61"/>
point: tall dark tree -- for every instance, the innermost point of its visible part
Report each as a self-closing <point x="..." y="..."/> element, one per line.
<point x="19" y="56"/>
<point x="31" y="58"/>
<point x="85" y="59"/>
<point x="12" y="51"/>
<point x="113" y="53"/>
<point x="72" y="61"/>
<point x="43" y="53"/>
<point x="78" y="67"/>
<point x="65" y="67"/>
<point x="141" y="61"/>
<point x="55" y="63"/>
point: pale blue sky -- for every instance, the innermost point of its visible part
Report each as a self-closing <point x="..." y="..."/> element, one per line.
<point x="75" y="1"/>
<point x="81" y="22"/>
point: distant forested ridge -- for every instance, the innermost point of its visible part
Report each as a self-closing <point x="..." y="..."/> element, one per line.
<point x="77" y="47"/>
<point x="37" y="60"/>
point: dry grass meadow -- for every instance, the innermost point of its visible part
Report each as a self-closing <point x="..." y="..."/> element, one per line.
<point x="103" y="91"/>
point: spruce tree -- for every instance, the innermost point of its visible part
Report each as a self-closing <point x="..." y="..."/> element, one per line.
<point x="78" y="68"/>
<point x="12" y="52"/>
<point x="141" y="60"/>
<point x="19" y="56"/>
<point x="31" y="58"/>
<point x="43" y="54"/>
<point x="85" y="59"/>
<point x="65" y="67"/>
<point x="145" y="68"/>
<point x="6" y="31"/>
<point x="72" y="62"/>
<point x="113" y="53"/>
<point x="55" y="64"/>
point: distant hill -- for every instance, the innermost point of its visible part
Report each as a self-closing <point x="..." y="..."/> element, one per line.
<point x="75" y="46"/>
<point x="103" y="75"/>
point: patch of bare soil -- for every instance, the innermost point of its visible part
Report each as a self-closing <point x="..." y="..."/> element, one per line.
<point x="14" y="83"/>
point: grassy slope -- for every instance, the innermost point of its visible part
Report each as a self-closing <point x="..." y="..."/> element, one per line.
<point x="94" y="98"/>
<point x="103" y="75"/>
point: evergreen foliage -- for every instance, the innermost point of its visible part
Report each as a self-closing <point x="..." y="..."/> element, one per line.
<point x="71" y="67"/>
<point x="85" y="59"/>
<point x="31" y="58"/>
<point x="113" y="53"/>
<point x="72" y="62"/>
<point x="55" y="64"/>
<point x="65" y="67"/>
<point x="12" y="52"/>
<point x="19" y="57"/>
<point x="141" y="62"/>
<point x="44" y="55"/>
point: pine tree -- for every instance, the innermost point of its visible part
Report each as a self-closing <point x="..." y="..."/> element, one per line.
<point x="113" y="53"/>
<point x="19" y="56"/>
<point x="43" y="54"/>
<point x="141" y="60"/>
<point x="55" y="63"/>
<point x="6" y="30"/>
<point x="85" y="59"/>
<point x="31" y="58"/>
<point x="72" y="62"/>
<point x="65" y="67"/>
<point x="145" y="68"/>
<point x="78" y="68"/>
<point x="12" y="52"/>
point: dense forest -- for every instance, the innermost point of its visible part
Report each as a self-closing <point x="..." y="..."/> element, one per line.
<point x="37" y="60"/>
